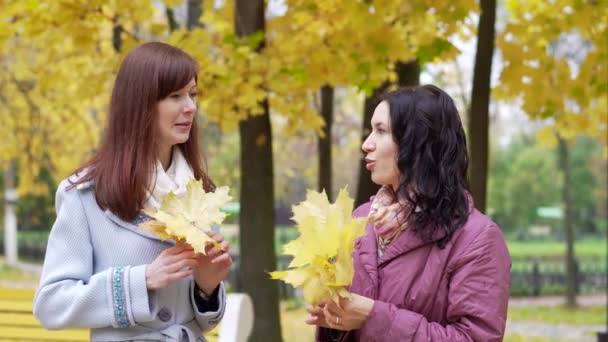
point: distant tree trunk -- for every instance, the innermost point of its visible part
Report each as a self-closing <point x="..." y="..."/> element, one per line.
<point x="408" y="74"/>
<point x="324" y="144"/>
<point x="480" y="102"/>
<point x="564" y="161"/>
<point x="170" y="14"/>
<point x="257" y="255"/>
<point x="10" y="215"/>
<point x="195" y="10"/>
<point x="117" y="37"/>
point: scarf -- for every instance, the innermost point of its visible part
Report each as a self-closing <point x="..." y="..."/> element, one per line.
<point x="387" y="215"/>
<point x="174" y="179"/>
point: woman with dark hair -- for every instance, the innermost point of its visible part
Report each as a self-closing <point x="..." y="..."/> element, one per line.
<point x="101" y="271"/>
<point x="431" y="267"/>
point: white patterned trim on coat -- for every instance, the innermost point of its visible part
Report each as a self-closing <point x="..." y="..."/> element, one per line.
<point x="119" y="300"/>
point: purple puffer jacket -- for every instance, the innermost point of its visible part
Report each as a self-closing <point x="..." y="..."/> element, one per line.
<point x="424" y="293"/>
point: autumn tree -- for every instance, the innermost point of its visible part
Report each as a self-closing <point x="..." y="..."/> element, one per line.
<point x="480" y="103"/>
<point x="556" y="62"/>
<point x="257" y="195"/>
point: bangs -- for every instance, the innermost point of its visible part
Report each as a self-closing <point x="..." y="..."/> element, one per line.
<point x="177" y="71"/>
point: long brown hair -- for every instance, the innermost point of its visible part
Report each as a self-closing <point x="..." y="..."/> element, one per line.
<point x="123" y="167"/>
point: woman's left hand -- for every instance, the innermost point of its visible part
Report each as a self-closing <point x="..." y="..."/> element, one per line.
<point x="213" y="267"/>
<point x="350" y="314"/>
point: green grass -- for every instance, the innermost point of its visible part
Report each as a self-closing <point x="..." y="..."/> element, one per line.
<point x="556" y="249"/>
<point x="547" y="249"/>
<point x="592" y="315"/>
<point x="10" y="276"/>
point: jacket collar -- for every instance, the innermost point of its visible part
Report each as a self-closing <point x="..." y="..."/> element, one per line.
<point x="117" y="220"/>
<point x="406" y="242"/>
<point x="132" y="227"/>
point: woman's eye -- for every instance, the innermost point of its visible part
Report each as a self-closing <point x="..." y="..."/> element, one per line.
<point x="174" y="96"/>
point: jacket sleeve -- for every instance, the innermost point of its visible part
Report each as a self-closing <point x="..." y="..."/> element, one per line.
<point x="208" y="313"/>
<point x="70" y="294"/>
<point x="477" y="300"/>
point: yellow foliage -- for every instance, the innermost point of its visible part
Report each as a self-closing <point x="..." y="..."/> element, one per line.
<point x="547" y="137"/>
<point x="322" y="263"/>
<point x="58" y="61"/>
<point x="556" y="59"/>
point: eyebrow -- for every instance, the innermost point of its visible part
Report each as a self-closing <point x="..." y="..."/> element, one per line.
<point x="379" y="124"/>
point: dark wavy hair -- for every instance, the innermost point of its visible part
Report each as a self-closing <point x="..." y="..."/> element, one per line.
<point x="432" y="160"/>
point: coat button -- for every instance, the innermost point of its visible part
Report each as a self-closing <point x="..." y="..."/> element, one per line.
<point x="164" y="315"/>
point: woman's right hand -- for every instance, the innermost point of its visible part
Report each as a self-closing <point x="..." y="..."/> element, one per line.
<point x="349" y="314"/>
<point x="170" y="265"/>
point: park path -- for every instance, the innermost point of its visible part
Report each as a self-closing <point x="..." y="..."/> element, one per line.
<point x="561" y="331"/>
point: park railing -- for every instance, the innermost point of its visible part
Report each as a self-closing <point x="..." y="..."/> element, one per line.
<point x="547" y="276"/>
<point x="529" y="276"/>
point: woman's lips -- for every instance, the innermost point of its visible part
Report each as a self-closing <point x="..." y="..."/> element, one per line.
<point x="183" y="125"/>
<point x="370" y="164"/>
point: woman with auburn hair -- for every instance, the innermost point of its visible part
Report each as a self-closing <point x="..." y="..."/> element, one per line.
<point x="101" y="271"/>
<point x="431" y="267"/>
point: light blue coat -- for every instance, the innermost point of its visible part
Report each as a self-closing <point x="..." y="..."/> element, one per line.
<point x="94" y="277"/>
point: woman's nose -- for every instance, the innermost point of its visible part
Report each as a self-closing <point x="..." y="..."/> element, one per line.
<point x="190" y="105"/>
<point x="368" y="144"/>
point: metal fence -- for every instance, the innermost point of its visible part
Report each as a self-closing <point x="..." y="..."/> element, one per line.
<point x="531" y="277"/>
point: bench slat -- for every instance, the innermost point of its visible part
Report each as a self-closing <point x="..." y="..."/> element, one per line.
<point x="16" y="306"/>
<point x="40" y="334"/>
<point x="18" y="319"/>
<point x="17" y="294"/>
<point x="18" y="323"/>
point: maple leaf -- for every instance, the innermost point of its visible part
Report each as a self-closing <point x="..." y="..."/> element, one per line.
<point x="322" y="255"/>
<point x="189" y="217"/>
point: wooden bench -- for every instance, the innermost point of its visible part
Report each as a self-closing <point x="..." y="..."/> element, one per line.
<point x="17" y="322"/>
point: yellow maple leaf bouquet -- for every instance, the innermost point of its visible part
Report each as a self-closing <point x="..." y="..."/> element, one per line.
<point x="322" y="255"/>
<point x="189" y="217"/>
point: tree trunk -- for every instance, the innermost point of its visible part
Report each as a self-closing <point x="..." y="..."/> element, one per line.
<point x="325" y="168"/>
<point x="480" y="102"/>
<point x="257" y="255"/>
<point x="117" y="37"/>
<point x="408" y="74"/>
<point x="170" y="14"/>
<point x="10" y="215"/>
<point x="564" y="161"/>
<point x="195" y="10"/>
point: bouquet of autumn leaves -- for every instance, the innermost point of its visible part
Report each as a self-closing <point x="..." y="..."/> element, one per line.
<point x="189" y="217"/>
<point x="322" y="255"/>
